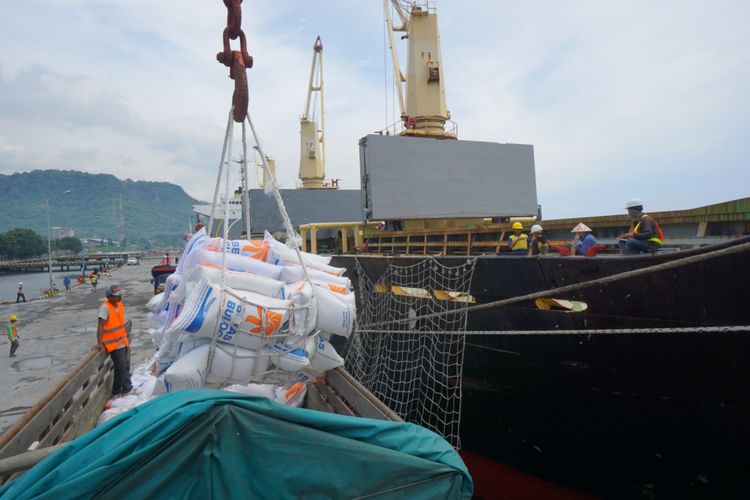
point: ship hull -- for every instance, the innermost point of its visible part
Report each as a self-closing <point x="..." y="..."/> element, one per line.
<point x="657" y="411"/>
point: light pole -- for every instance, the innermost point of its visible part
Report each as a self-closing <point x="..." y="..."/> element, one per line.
<point x="49" y="238"/>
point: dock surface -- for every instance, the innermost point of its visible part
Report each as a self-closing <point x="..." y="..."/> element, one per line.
<point x="58" y="332"/>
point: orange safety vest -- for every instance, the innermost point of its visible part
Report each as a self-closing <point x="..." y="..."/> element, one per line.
<point x="658" y="240"/>
<point x="113" y="331"/>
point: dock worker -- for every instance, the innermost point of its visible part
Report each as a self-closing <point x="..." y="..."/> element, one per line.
<point x="19" y="293"/>
<point x="645" y="235"/>
<point x="583" y="239"/>
<point x="94" y="281"/>
<point x="13" y="336"/>
<point x="518" y="242"/>
<point x="112" y="337"/>
<point x="538" y="243"/>
<point x="66" y="284"/>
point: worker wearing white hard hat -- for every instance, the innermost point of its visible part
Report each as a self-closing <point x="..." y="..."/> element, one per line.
<point x="583" y="239"/>
<point x="538" y="243"/>
<point x="644" y="236"/>
<point x="518" y="242"/>
<point x="20" y="296"/>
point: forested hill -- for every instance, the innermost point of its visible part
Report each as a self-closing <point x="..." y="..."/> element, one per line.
<point x="155" y="213"/>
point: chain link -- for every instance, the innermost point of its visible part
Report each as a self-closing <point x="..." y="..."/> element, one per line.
<point x="238" y="61"/>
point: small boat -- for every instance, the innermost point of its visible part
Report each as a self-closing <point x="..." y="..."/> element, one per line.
<point x="159" y="275"/>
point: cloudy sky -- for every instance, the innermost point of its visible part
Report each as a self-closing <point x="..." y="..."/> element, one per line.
<point x="619" y="99"/>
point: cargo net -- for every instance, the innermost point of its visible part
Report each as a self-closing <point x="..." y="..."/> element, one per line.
<point x="410" y="367"/>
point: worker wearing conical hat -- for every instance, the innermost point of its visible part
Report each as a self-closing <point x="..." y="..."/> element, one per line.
<point x="583" y="239"/>
<point x="518" y="242"/>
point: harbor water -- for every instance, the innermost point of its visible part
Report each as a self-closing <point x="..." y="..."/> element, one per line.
<point x="34" y="284"/>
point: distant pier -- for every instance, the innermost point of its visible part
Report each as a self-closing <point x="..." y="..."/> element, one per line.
<point x="66" y="263"/>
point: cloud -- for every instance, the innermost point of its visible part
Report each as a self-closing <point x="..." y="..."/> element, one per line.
<point x="618" y="100"/>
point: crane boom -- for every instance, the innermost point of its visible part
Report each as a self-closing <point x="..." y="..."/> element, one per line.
<point x="312" y="138"/>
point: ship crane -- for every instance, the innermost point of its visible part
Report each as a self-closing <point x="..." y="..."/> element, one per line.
<point x="312" y="138"/>
<point x="424" y="112"/>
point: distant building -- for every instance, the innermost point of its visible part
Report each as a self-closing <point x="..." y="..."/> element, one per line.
<point x="62" y="232"/>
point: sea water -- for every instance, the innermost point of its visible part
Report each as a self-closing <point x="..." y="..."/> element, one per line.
<point x="34" y="284"/>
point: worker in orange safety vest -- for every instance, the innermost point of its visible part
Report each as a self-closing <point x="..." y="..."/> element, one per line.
<point x="112" y="337"/>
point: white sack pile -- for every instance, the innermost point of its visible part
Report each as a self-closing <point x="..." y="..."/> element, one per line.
<point x="271" y="327"/>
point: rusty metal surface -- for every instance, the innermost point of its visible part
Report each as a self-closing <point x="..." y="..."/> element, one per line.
<point x="238" y="61"/>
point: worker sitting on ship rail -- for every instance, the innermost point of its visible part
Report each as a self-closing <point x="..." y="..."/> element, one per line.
<point x="538" y="243"/>
<point x="583" y="240"/>
<point x="518" y="242"/>
<point x="645" y="235"/>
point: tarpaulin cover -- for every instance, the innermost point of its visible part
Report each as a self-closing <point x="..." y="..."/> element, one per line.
<point x="218" y="444"/>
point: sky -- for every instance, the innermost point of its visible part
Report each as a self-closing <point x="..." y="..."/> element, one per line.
<point x="619" y="99"/>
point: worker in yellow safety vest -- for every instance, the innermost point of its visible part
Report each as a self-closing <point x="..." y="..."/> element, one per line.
<point x="645" y="235"/>
<point x="112" y="337"/>
<point x="518" y="242"/>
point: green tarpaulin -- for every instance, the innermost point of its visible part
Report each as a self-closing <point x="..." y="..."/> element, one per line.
<point x="218" y="444"/>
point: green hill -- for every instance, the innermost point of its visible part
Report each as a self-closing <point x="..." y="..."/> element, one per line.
<point x="155" y="213"/>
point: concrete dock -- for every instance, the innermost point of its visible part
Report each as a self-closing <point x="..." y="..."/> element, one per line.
<point x="57" y="333"/>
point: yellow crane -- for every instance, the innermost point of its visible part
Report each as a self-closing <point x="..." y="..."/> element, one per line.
<point x="424" y="112"/>
<point x="312" y="138"/>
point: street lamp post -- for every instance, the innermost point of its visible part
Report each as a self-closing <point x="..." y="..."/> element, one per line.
<point x="49" y="238"/>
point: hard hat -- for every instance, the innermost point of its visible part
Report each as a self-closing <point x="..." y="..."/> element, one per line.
<point x="517" y="225"/>
<point x="114" y="291"/>
<point x="20" y="282"/>
<point x="581" y="228"/>
<point x="536" y="228"/>
<point x="634" y="202"/>
<point x="13" y="318"/>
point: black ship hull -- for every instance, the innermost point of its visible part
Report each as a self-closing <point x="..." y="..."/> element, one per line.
<point x="657" y="408"/>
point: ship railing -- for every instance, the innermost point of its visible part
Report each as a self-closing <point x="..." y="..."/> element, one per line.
<point x="66" y="412"/>
<point x="347" y="233"/>
<point x="399" y="127"/>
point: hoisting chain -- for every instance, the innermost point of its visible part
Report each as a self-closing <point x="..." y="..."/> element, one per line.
<point x="238" y="61"/>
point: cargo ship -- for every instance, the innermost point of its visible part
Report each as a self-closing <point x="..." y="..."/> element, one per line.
<point x="614" y="376"/>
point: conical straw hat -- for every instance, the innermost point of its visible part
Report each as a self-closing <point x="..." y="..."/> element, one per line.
<point x="581" y="228"/>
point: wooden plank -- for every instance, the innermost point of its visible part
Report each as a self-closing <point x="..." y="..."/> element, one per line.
<point x="34" y="425"/>
<point x="358" y="397"/>
<point x="334" y="400"/>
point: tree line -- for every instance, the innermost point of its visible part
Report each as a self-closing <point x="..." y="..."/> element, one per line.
<point x="21" y="243"/>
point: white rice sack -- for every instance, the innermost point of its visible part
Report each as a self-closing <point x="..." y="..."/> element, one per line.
<point x="291" y="274"/>
<point x="200" y="312"/>
<point x="188" y="372"/>
<point x="178" y="346"/>
<point x="155" y="302"/>
<point x="288" y="257"/>
<point x="255" y="249"/>
<point x="289" y="358"/>
<point x="325" y="358"/>
<point x="336" y="312"/>
<point x="127" y="402"/>
<point x="198" y="241"/>
<point x="308" y="377"/>
<point x="293" y="395"/>
<point x="236" y="365"/>
<point x="237" y="263"/>
<point x="276" y="244"/>
<point x="333" y="287"/>
<point x="108" y="415"/>
<point x="261" y="390"/>
<point x="174" y="290"/>
<point x="251" y="320"/>
<point x="304" y="315"/>
<point x="238" y="280"/>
